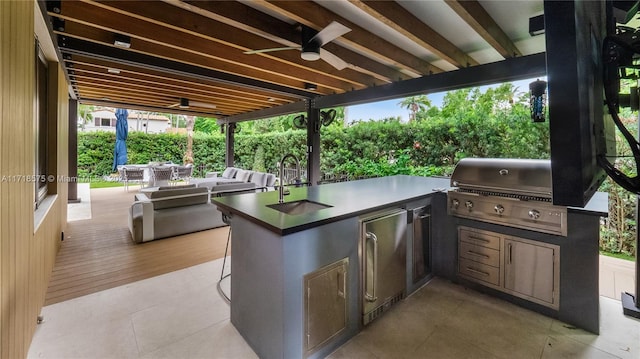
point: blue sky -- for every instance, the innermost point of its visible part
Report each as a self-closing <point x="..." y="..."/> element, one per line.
<point x="390" y="108"/>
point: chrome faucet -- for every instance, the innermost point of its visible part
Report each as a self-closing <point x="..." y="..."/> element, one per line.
<point x="281" y="189"/>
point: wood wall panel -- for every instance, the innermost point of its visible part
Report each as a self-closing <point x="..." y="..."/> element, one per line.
<point x="16" y="226"/>
<point x="27" y="255"/>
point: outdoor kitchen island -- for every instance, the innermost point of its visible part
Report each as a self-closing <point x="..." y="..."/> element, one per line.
<point x="284" y="264"/>
<point x="273" y="251"/>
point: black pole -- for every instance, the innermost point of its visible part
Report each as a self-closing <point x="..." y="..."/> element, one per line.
<point x="631" y="303"/>
<point x="72" y="196"/>
<point x="230" y="144"/>
<point x="313" y="146"/>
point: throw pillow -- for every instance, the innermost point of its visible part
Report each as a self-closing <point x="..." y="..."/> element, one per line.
<point x="271" y="179"/>
<point x="260" y="179"/>
<point x="242" y="175"/>
<point x="229" y="172"/>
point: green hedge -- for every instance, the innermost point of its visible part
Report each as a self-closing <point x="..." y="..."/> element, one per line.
<point x="364" y="148"/>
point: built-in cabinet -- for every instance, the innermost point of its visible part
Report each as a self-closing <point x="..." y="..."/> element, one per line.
<point x="518" y="266"/>
<point x="325" y="304"/>
<point x="531" y="270"/>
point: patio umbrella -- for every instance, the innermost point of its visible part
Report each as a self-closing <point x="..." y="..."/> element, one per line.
<point x="122" y="129"/>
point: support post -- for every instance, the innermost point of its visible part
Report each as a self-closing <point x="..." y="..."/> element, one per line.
<point x="229" y="143"/>
<point x="631" y="304"/>
<point x="73" y="152"/>
<point x="313" y="146"/>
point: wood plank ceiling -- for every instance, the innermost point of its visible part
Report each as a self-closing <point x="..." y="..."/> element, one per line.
<point x="195" y="50"/>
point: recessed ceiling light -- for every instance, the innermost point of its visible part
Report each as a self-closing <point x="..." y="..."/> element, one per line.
<point x="113" y="71"/>
<point x="123" y="41"/>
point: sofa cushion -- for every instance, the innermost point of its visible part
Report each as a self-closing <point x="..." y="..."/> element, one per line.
<point x="232" y="188"/>
<point x="194" y="195"/>
<point x="187" y="219"/>
<point x="271" y="180"/>
<point x="243" y="176"/>
<point x="259" y="178"/>
<point x="135" y="223"/>
<point x="176" y="187"/>
<point x="229" y="172"/>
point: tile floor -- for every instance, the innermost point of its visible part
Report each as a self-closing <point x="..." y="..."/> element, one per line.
<point x="81" y="210"/>
<point x="181" y="315"/>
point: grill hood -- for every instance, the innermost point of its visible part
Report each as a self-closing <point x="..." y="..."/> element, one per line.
<point x="522" y="177"/>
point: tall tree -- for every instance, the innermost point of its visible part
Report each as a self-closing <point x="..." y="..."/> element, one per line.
<point x="415" y="104"/>
<point x="84" y="112"/>
<point x="206" y="125"/>
<point x="188" y="156"/>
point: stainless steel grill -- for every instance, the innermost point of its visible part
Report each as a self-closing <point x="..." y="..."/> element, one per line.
<point x="510" y="192"/>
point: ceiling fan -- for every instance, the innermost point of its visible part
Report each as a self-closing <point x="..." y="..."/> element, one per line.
<point x="185" y="103"/>
<point x="312" y="42"/>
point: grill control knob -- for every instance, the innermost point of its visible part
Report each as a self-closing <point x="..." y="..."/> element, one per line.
<point x="455" y="203"/>
<point x="534" y="214"/>
<point x="468" y="204"/>
<point x="498" y="208"/>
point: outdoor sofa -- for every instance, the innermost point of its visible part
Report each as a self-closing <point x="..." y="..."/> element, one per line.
<point x="263" y="181"/>
<point x="175" y="210"/>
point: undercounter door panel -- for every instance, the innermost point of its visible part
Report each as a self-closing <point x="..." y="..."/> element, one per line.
<point x="529" y="270"/>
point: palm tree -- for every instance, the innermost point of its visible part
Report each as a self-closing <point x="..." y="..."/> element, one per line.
<point x="84" y="111"/>
<point x="415" y="104"/>
<point x="188" y="156"/>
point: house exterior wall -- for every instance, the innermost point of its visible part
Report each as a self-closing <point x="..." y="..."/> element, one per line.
<point x="29" y="239"/>
<point x="155" y="124"/>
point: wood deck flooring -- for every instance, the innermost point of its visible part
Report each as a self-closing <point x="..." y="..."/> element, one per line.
<point x="98" y="253"/>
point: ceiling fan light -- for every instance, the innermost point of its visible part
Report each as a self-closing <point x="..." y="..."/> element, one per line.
<point x="310" y="55"/>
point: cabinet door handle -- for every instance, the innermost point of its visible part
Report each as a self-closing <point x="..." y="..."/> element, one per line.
<point x="374" y="269"/>
<point x="480" y="239"/>
<point x="472" y="270"/>
<point x="478" y="254"/>
<point x="509" y="247"/>
<point x="342" y="284"/>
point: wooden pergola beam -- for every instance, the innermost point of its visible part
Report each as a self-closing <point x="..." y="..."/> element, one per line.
<point x="398" y="18"/>
<point x="477" y="17"/>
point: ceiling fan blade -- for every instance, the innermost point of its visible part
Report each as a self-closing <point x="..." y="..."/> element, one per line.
<point x="331" y="32"/>
<point x="250" y="52"/>
<point x="333" y="60"/>
<point x="202" y="104"/>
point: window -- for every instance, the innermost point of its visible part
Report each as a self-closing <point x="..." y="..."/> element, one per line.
<point x="41" y="124"/>
<point x="105" y="122"/>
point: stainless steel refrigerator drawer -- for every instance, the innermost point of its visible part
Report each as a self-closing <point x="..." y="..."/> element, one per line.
<point x="383" y="253"/>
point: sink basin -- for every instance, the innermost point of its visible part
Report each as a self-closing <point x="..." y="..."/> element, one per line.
<point x="298" y="207"/>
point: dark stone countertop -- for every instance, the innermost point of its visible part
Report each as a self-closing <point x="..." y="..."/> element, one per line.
<point x="598" y="205"/>
<point x="348" y="199"/>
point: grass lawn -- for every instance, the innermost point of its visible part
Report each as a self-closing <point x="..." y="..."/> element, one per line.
<point x="104" y="184"/>
<point x="619" y="255"/>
